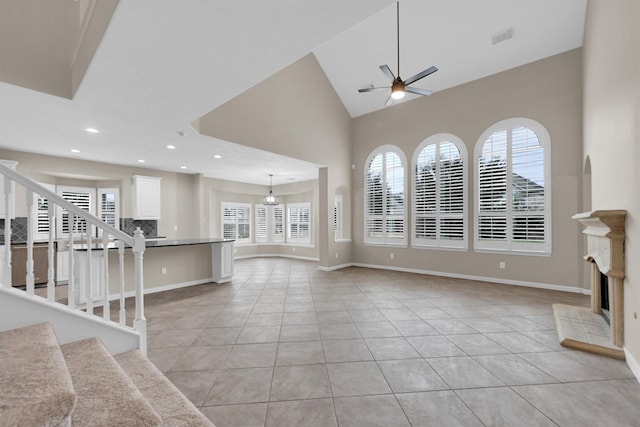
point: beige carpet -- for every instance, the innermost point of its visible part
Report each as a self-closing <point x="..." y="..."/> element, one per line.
<point x="36" y="387"/>
<point x="106" y="396"/>
<point x="174" y="409"/>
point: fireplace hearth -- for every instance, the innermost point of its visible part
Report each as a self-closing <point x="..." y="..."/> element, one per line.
<point x="600" y="328"/>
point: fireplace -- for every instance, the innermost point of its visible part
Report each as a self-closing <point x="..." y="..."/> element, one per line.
<point x="600" y="328"/>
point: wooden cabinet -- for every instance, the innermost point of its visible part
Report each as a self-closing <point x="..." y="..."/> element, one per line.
<point x="146" y="191"/>
<point x="11" y="165"/>
<point x="19" y="264"/>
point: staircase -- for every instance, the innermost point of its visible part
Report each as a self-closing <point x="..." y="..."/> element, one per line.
<point x="80" y="383"/>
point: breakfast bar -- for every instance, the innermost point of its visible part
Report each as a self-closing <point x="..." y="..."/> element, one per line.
<point x="168" y="264"/>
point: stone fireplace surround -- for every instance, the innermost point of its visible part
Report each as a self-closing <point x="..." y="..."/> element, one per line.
<point x="586" y="328"/>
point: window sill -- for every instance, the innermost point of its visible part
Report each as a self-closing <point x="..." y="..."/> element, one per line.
<point x="512" y="252"/>
<point x="440" y="248"/>
<point x="342" y="241"/>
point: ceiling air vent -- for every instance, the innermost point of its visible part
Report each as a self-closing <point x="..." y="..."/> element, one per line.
<point x="502" y="36"/>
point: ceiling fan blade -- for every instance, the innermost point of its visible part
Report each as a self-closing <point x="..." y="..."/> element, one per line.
<point x="387" y="71"/>
<point x="418" y="91"/>
<point x="420" y="75"/>
<point x="389" y="99"/>
<point x="373" y="89"/>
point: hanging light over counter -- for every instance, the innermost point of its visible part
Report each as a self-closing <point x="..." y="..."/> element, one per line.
<point x="271" y="199"/>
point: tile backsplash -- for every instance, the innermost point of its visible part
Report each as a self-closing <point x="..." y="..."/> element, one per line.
<point x="18" y="228"/>
<point x="148" y="226"/>
<point x="128" y="225"/>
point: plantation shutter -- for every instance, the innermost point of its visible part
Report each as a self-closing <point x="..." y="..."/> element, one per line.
<point x="451" y="193"/>
<point x="41" y="214"/>
<point x="236" y="221"/>
<point x="229" y="222"/>
<point x="81" y="197"/>
<point x="513" y="200"/>
<point x="338" y="220"/>
<point x="439" y="196"/>
<point x="374" y="198"/>
<point x="527" y="186"/>
<point x="395" y="197"/>
<point x="492" y="189"/>
<point x="384" y="199"/>
<point x="261" y="224"/>
<point x="109" y="206"/>
<point x="278" y="224"/>
<point x="299" y="225"/>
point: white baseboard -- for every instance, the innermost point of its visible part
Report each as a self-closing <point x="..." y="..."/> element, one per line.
<point x="304" y="258"/>
<point x="335" y="267"/>
<point x="633" y="364"/>
<point x="479" y="278"/>
<point x="128" y="294"/>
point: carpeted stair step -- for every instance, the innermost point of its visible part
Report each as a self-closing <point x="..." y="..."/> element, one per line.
<point x="35" y="383"/>
<point x="105" y="394"/>
<point x="172" y="406"/>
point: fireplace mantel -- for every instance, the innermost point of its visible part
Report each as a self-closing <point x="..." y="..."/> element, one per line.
<point x="605" y="240"/>
<point x="605" y="231"/>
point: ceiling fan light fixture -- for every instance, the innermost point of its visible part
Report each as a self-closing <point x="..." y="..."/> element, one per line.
<point x="397" y="89"/>
<point x="271" y="199"/>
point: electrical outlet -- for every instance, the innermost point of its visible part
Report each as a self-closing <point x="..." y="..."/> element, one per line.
<point x="392" y="255"/>
<point x="503" y="265"/>
<point x="175" y="228"/>
<point x="164" y="270"/>
<point x="336" y="255"/>
<point x="294" y="249"/>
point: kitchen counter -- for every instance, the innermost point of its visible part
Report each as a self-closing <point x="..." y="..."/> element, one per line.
<point x="155" y="243"/>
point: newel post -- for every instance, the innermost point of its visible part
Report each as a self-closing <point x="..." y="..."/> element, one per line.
<point x="139" y="322"/>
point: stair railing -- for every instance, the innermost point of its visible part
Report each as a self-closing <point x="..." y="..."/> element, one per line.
<point x="88" y="283"/>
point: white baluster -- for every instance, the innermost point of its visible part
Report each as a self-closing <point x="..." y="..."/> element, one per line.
<point x="106" y="308"/>
<point x="7" y="231"/>
<point x="88" y="286"/>
<point x="71" y="288"/>
<point x="140" y="322"/>
<point x="30" y="275"/>
<point x="123" y="312"/>
<point x="51" y="285"/>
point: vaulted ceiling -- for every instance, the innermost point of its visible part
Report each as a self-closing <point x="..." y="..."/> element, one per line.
<point x="161" y="65"/>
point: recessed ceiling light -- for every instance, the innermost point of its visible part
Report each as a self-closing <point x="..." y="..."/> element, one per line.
<point x="183" y="167"/>
<point x="74" y="150"/>
<point x="92" y="130"/>
<point x="217" y="156"/>
<point x="140" y="161"/>
<point x="171" y="147"/>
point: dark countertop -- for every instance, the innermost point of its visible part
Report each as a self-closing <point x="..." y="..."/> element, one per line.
<point x="184" y="242"/>
<point x="153" y="243"/>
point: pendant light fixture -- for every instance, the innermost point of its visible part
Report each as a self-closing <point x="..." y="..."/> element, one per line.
<point x="271" y="199"/>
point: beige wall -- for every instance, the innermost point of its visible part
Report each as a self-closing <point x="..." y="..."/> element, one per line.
<point x="296" y="113"/>
<point x="216" y="191"/>
<point x="48" y="45"/>
<point x="548" y="91"/>
<point x="612" y="132"/>
<point x="178" y="189"/>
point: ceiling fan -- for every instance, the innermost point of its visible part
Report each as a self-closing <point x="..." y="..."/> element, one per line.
<point x="398" y="86"/>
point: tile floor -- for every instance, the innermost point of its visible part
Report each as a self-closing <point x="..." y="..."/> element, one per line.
<point x="285" y="344"/>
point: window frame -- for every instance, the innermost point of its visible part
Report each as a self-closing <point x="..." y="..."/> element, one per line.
<point x="270" y="225"/>
<point x="236" y="206"/>
<point x="509" y="245"/>
<point x="306" y="241"/>
<point x="438" y="242"/>
<point x="385" y="240"/>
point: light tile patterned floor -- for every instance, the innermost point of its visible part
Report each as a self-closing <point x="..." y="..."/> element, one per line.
<point x="285" y="344"/>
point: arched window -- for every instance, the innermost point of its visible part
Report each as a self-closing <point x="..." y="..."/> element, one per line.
<point x="385" y="214"/>
<point x="440" y="193"/>
<point x="512" y="191"/>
